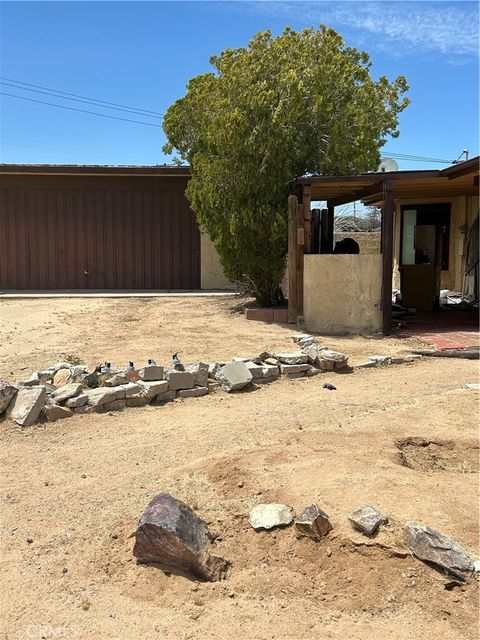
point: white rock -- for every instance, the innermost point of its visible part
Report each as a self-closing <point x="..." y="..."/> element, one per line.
<point x="27" y="405"/>
<point x="268" y="516"/>
<point x="234" y="376"/>
<point x="297" y="357"/>
<point x="475" y="386"/>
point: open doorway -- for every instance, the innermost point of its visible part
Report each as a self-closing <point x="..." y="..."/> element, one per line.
<point x="424" y="252"/>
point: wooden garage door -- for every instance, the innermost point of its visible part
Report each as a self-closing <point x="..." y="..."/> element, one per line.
<point x="97" y="238"/>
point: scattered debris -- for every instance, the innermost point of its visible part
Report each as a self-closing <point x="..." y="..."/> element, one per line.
<point x="269" y="516"/>
<point x="431" y="546"/>
<point x="367" y="519"/>
<point x="171" y="534"/>
<point x="313" y="522"/>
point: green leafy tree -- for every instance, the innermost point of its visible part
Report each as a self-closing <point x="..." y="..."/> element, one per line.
<point x="300" y="103"/>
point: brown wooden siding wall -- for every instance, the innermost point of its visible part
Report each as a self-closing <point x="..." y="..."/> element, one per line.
<point x="126" y="233"/>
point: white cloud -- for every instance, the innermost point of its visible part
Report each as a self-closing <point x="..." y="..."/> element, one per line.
<point x="402" y="28"/>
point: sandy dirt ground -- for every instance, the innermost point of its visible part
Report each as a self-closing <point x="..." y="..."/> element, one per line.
<point x="75" y="488"/>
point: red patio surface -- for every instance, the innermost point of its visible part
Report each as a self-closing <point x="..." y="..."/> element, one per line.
<point x="448" y="329"/>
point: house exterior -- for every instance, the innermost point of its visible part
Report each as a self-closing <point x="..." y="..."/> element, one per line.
<point x="427" y="244"/>
<point x="70" y="227"/>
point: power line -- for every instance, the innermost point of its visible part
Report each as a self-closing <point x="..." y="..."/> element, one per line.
<point x="76" y="95"/>
<point x="95" y="113"/>
<point x="406" y="156"/>
<point x="95" y="104"/>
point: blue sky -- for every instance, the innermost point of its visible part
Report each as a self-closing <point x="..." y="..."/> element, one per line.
<point x="141" y="54"/>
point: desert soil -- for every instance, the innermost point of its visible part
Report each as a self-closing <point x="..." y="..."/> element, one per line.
<point x="72" y="491"/>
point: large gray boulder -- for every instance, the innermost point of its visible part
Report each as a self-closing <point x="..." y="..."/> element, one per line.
<point x="431" y="546"/>
<point x="367" y="519"/>
<point x="234" y="376"/>
<point x="171" y="534"/>
<point x="27" y="405"/>
<point x="65" y="393"/>
<point x="7" y="392"/>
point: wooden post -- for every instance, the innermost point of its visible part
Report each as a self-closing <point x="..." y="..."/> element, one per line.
<point x="387" y="255"/>
<point x="292" y="259"/>
<point x="323" y="230"/>
<point x="329" y="232"/>
<point x="307" y="218"/>
<point x="300" y="258"/>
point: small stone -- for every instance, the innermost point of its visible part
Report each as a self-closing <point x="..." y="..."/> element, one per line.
<point x="180" y="380"/>
<point x="273" y="362"/>
<point x="476" y="566"/>
<point x="213" y="386"/>
<point x="269" y="516"/>
<point x="54" y="412"/>
<point x="196" y="392"/>
<point x="313" y="522"/>
<point x="29" y="540"/>
<point x="329" y="552"/>
<point x="234" y="376"/>
<point x="151" y="373"/>
<point x="78" y="401"/>
<point x="65" y="570"/>
<point x="381" y="361"/>
<point x="84" y="475"/>
<point x="65" y="393"/>
<point x="367" y="519"/>
<point x="431" y="546"/>
<point x="475" y="386"/>
<point x="7" y="392"/>
<point x="25" y="408"/>
<point x="288" y="369"/>
<point x="240" y="484"/>
<point x="171" y="534"/>
<point x="329" y="386"/>
<point x="114" y="536"/>
<point x="292" y="358"/>
<point x="260" y="359"/>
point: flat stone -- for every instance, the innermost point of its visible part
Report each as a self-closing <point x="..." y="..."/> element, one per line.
<point x="116" y="380"/>
<point x="234" y="376"/>
<point x="150" y="389"/>
<point x="151" y="372"/>
<point x="54" y="412"/>
<point x="133" y="389"/>
<point x="213" y="386"/>
<point x="269" y="516"/>
<point x="33" y="381"/>
<point x="312" y="353"/>
<point x="162" y="398"/>
<point x="213" y="367"/>
<point x="65" y="393"/>
<point x="475" y="386"/>
<point x="298" y="338"/>
<point x="288" y="369"/>
<point x="7" y="392"/>
<point x="240" y="359"/>
<point x="200" y="373"/>
<point x="273" y="362"/>
<point x="260" y="359"/>
<point x="180" y="379"/>
<point x="115" y="405"/>
<point x="61" y="378"/>
<point x="329" y="355"/>
<point x="170" y="533"/>
<point x="196" y="392"/>
<point x="431" y="546"/>
<point x="367" y="519"/>
<point x="55" y="368"/>
<point x="78" y="401"/>
<point x="76" y="373"/>
<point x="313" y="522"/>
<point x="366" y="365"/>
<point x="90" y="380"/>
<point x="102" y="395"/>
<point x="26" y="407"/>
<point x="381" y="361"/>
<point x="270" y="372"/>
<point x="255" y="369"/>
<point x="292" y="358"/>
<point x="138" y="401"/>
<point x="476" y="566"/>
<point x="83" y="409"/>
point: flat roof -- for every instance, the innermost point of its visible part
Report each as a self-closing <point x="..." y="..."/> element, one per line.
<point x="95" y="169"/>
<point x="457" y="180"/>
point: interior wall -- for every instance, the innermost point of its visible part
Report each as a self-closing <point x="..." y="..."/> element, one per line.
<point x="459" y="212"/>
<point x="211" y="271"/>
<point x="368" y="241"/>
<point x="342" y="293"/>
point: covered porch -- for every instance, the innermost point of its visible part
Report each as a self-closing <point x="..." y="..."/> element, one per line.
<point x="353" y="293"/>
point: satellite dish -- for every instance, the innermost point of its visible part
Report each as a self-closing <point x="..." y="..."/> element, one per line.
<point x="387" y="165"/>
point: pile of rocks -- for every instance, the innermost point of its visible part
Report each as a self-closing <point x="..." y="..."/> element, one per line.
<point x="64" y="389"/>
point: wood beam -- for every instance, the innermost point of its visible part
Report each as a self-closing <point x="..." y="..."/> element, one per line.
<point x="307" y="218"/>
<point x="359" y="194"/>
<point x="387" y="255"/>
<point x="330" y="227"/>
<point x="300" y="259"/>
<point x="292" y="259"/>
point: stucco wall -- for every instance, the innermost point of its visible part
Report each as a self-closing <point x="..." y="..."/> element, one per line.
<point x="342" y="293"/>
<point x="461" y="212"/>
<point x="211" y="272"/>
<point x="369" y="243"/>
